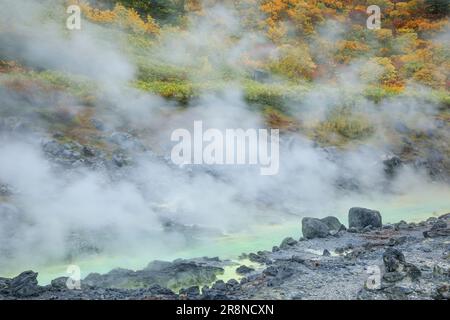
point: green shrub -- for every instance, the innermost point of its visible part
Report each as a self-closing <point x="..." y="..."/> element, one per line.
<point x="345" y="123"/>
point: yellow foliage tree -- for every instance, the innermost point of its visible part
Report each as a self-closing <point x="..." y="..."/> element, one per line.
<point x="124" y="18"/>
<point x="379" y="70"/>
<point x="294" y="62"/>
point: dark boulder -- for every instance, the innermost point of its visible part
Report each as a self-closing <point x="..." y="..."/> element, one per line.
<point x="288" y="242"/>
<point x="391" y="166"/>
<point x="253" y="257"/>
<point x="314" y="228"/>
<point x="361" y="217"/>
<point x="232" y="284"/>
<point x="439" y="229"/>
<point x="333" y="223"/>
<point x="393" y="276"/>
<point x="190" y="292"/>
<point x="397" y="268"/>
<point x="24" y="285"/>
<point x="352" y="230"/>
<point x="219" y="285"/>
<point x="244" y="270"/>
<point x="59" y="283"/>
<point x="397" y="241"/>
<point x="4" y="285"/>
<point x="440" y="224"/>
<point x="445" y="216"/>
<point x="393" y="259"/>
<point x="412" y="271"/>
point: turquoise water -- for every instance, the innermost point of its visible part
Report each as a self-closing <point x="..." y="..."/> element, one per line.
<point x="412" y="207"/>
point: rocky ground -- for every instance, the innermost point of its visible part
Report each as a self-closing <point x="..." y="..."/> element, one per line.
<point x="369" y="260"/>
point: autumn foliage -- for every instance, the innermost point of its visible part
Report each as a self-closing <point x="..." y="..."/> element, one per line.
<point x="314" y="39"/>
<point x="120" y="16"/>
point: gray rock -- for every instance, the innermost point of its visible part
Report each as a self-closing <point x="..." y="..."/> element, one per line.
<point x="288" y="242"/>
<point x="232" y="283"/>
<point x="440" y="224"/>
<point x="191" y="292"/>
<point x="59" y="283"/>
<point x="352" y="230"/>
<point x="179" y="273"/>
<point x="402" y="225"/>
<point x="5" y="190"/>
<point x="443" y="292"/>
<point x="439" y="229"/>
<point x="121" y="159"/>
<point x="333" y="224"/>
<point x="393" y="276"/>
<point x="361" y="217"/>
<point x="4" y="285"/>
<point x="314" y="228"/>
<point x="126" y="141"/>
<point x="256" y="258"/>
<point x="412" y="271"/>
<point x="445" y="216"/>
<point x="397" y="241"/>
<point x="25" y="285"/>
<point x="392" y="165"/>
<point x="219" y="285"/>
<point x="393" y="259"/>
<point x="244" y="270"/>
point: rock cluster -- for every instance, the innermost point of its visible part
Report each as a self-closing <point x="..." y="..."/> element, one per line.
<point x="393" y="262"/>
<point x="321" y="228"/>
<point x="360" y="218"/>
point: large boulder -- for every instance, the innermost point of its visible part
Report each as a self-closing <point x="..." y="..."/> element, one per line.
<point x="24" y="285"/>
<point x="360" y="218"/>
<point x="333" y="223"/>
<point x="396" y="268"/>
<point x="439" y="229"/>
<point x="314" y="228"/>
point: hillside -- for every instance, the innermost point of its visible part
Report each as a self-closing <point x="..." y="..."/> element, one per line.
<point x="91" y="106"/>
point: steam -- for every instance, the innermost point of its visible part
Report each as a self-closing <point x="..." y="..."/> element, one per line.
<point x="60" y="211"/>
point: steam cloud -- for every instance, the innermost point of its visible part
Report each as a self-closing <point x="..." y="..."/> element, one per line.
<point x="58" y="211"/>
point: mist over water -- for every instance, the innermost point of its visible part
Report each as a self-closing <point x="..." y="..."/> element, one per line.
<point x="122" y="218"/>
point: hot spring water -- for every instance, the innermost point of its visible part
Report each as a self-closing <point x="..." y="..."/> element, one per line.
<point x="412" y="207"/>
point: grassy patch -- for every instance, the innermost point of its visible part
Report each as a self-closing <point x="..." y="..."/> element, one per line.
<point x="342" y="126"/>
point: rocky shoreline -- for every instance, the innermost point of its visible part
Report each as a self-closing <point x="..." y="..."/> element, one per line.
<point x="369" y="260"/>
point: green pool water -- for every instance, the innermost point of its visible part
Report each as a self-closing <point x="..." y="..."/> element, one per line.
<point x="411" y="207"/>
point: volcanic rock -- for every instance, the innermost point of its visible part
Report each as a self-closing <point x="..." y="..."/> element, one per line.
<point x="314" y="228"/>
<point x="360" y="218"/>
